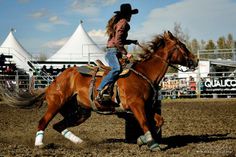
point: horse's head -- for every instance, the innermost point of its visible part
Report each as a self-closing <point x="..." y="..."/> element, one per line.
<point x="178" y="52"/>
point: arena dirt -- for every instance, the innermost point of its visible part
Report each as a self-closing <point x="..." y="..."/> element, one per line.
<point x="199" y="128"/>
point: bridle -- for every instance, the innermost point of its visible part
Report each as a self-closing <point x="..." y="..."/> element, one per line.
<point x="171" y="52"/>
<point x="188" y="61"/>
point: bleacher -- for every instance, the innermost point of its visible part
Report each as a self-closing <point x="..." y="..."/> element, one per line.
<point x="10" y="75"/>
<point x="7" y="67"/>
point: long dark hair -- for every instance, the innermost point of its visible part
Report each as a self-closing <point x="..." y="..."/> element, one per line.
<point x="110" y="25"/>
<point x="112" y="22"/>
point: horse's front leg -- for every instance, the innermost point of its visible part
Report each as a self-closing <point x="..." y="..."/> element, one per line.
<point x="158" y="119"/>
<point x="139" y="112"/>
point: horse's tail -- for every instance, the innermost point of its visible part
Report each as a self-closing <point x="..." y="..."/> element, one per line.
<point x="21" y="99"/>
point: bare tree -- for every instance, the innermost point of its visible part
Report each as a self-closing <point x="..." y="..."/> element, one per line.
<point x="178" y="32"/>
<point x="42" y="57"/>
<point x="230" y="41"/>
<point x="195" y="46"/>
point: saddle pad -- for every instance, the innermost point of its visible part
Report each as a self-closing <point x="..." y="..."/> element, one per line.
<point x="89" y="70"/>
<point x="86" y="69"/>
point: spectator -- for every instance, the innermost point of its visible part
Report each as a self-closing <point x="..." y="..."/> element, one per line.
<point x="192" y="86"/>
<point x="8" y="70"/>
<point x="2" y="59"/>
<point x="43" y="70"/>
<point x="63" y="68"/>
<point x="50" y="70"/>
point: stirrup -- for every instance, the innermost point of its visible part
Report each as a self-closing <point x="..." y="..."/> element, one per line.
<point x="103" y="97"/>
<point x="106" y="97"/>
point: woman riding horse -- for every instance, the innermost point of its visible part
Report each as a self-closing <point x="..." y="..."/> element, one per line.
<point x="136" y="91"/>
<point x="117" y="30"/>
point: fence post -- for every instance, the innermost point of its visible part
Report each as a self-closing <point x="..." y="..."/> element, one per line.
<point x="48" y="81"/>
<point x="198" y="82"/>
<point x="17" y="81"/>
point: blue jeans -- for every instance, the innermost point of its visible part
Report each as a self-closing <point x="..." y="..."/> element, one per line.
<point x="113" y="62"/>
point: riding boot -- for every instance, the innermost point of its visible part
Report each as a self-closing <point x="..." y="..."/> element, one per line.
<point x="104" y="95"/>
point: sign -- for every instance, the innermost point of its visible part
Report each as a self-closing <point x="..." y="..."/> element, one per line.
<point x="221" y="84"/>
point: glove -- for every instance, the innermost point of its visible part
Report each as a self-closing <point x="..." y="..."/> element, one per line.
<point x="124" y="57"/>
<point x="129" y="55"/>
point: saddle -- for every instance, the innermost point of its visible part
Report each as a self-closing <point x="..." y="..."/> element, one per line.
<point x="101" y="69"/>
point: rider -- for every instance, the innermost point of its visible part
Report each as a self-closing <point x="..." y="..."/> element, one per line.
<point x="117" y="30"/>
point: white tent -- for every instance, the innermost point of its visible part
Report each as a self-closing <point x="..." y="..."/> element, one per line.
<point x="12" y="47"/>
<point x="79" y="48"/>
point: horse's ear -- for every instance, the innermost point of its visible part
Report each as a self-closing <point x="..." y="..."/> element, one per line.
<point x="166" y="34"/>
<point x="170" y="35"/>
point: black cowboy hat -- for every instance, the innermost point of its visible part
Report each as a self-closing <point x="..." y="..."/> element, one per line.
<point x="126" y="8"/>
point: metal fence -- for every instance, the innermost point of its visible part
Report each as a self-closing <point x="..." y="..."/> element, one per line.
<point x="16" y="82"/>
<point x="172" y="86"/>
<point x="219" y="54"/>
<point x="202" y="84"/>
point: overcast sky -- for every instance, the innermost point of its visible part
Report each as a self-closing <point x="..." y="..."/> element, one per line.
<point x="45" y="25"/>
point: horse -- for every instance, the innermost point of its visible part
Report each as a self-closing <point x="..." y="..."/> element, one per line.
<point x="69" y="93"/>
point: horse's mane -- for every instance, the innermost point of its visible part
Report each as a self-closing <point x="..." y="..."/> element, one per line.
<point x="150" y="47"/>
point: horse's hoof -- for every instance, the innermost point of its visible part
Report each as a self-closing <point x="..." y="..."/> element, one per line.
<point x="153" y="146"/>
<point x="79" y="141"/>
<point x="141" y="141"/>
<point x="39" y="146"/>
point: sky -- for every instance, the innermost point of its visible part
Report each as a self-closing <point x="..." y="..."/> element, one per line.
<point x="43" y="26"/>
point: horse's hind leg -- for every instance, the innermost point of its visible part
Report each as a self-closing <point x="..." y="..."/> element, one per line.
<point x="67" y="122"/>
<point x="73" y="115"/>
<point x="52" y="110"/>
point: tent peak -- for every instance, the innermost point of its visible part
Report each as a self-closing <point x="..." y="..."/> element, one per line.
<point x="13" y="30"/>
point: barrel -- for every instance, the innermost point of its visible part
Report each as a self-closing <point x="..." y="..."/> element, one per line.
<point x="133" y="129"/>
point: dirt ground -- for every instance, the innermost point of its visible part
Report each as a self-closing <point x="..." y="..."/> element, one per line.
<point x="199" y="128"/>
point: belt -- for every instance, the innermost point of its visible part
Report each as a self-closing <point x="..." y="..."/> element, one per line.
<point x="111" y="48"/>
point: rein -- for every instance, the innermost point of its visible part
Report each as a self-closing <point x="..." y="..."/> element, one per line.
<point x="166" y="62"/>
<point x="150" y="82"/>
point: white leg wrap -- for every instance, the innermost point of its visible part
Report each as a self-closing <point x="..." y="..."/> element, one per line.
<point x="39" y="138"/>
<point x="72" y="137"/>
<point x="148" y="136"/>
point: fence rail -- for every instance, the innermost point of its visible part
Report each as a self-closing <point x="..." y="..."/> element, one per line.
<point x="212" y="86"/>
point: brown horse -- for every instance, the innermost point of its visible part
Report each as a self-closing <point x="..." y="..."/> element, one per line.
<point x="69" y="93"/>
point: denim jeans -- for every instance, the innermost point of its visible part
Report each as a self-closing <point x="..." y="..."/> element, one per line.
<point x="113" y="62"/>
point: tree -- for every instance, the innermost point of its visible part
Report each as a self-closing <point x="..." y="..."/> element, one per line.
<point x="221" y="43"/>
<point x="42" y="57"/>
<point x="202" y="44"/>
<point x="178" y="33"/>
<point x="195" y="46"/>
<point x="230" y="41"/>
<point x="224" y="43"/>
<point x="210" y="45"/>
